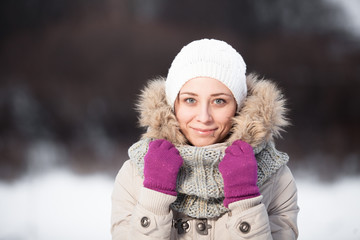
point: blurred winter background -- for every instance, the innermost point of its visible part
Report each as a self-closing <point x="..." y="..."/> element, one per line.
<point x="70" y="71"/>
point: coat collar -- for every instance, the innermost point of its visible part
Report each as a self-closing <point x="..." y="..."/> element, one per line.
<point x="259" y="121"/>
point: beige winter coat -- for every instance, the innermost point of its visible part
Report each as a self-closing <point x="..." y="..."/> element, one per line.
<point x="141" y="213"/>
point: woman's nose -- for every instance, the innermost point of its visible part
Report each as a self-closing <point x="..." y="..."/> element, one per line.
<point x="204" y="114"/>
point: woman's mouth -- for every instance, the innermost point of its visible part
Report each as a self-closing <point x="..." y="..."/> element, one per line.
<point x="205" y="132"/>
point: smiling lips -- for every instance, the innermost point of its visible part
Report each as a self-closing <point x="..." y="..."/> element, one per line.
<point x="205" y="132"/>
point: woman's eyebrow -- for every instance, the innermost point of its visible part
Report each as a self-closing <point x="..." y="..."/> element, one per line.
<point x="188" y="93"/>
<point x="219" y="94"/>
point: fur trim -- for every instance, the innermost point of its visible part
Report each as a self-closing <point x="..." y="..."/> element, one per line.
<point x="261" y="118"/>
<point x="263" y="114"/>
<point x="156" y="115"/>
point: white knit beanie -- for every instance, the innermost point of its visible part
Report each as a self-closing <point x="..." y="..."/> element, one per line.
<point x="207" y="58"/>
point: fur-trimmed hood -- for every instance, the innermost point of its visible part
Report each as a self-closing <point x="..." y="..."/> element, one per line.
<point x="260" y="120"/>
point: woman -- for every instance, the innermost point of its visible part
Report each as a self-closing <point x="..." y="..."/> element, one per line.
<point x="207" y="168"/>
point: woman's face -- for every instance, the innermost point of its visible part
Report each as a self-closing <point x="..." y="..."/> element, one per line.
<point x="204" y="109"/>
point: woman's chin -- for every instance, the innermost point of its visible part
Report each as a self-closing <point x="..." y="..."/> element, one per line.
<point x="203" y="141"/>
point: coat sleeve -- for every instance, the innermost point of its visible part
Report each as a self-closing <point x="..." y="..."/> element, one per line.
<point x="249" y="219"/>
<point x="283" y="208"/>
<point x="138" y="212"/>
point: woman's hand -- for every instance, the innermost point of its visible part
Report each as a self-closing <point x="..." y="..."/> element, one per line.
<point x="239" y="171"/>
<point x="162" y="164"/>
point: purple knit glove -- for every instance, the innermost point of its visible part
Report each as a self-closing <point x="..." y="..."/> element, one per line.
<point x="239" y="171"/>
<point x="162" y="164"/>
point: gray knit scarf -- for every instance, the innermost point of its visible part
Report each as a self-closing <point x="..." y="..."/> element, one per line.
<point x="200" y="184"/>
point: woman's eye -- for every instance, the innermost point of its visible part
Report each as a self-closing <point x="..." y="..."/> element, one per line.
<point x="219" y="101"/>
<point x="190" y="100"/>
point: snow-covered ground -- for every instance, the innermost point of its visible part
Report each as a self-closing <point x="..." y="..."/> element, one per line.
<point x="56" y="205"/>
<point x="60" y="205"/>
<point x="329" y="211"/>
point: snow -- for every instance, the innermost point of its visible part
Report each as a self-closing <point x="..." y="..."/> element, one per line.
<point x="56" y="205"/>
<point x="329" y="210"/>
<point x="61" y="205"/>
